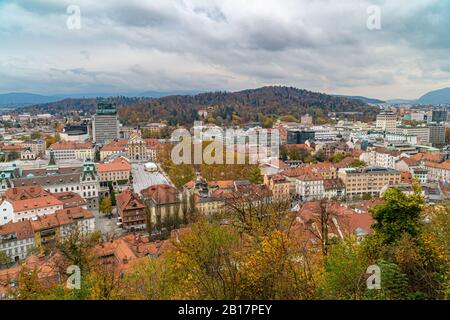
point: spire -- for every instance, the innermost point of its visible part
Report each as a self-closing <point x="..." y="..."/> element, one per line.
<point x="52" y="161"/>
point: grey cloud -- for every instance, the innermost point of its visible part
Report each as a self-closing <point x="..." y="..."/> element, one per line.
<point x="226" y="44"/>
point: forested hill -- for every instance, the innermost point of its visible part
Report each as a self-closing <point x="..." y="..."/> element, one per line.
<point x="223" y="107"/>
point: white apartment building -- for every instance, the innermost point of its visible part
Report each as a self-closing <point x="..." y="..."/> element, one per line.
<point x="386" y="121"/>
<point x="380" y="157"/>
<point x="309" y="187"/>
<point x="77" y="218"/>
<point x="30" y="209"/>
<point x="438" y="171"/>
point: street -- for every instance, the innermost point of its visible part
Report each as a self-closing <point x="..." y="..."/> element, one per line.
<point x="106" y="225"/>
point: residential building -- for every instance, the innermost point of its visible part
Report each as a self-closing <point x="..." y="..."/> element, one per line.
<point x="309" y="187"/>
<point x="333" y="189"/>
<point x="75" y="219"/>
<point x="381" y="157"/>
<point x="17" y="240"/>
<point x="368" y="181"/>
<point x="209" y="205"/>
<point x="70" y="200"/>
<point x="132" y="210"/>
<point x="279" y="185"/>
<point x="6" y="212"/>
<point x="30" y="209"/>
<point x="438" y="171"/>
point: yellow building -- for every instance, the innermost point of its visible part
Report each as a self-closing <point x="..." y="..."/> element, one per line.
<point x="368" y="181"/>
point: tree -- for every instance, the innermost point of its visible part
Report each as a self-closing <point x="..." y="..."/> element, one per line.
<point x="4" y="259"/>
<point x="337" y="157"/>
<point x="255" y="176"/>
<point x="13" y="155"/>
<point x="112" y="195"/>
<point x="398" y="214"/>
<point x="35" y="135"/>
<point x="357" y="164"/>
<point x="345" y="267"/>
<point x="319" y="224"/>
<point x="106" y="206"/>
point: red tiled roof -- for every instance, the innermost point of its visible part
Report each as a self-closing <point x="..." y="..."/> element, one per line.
<point x="66" y="145"/>
<point x="161" y="193"/>
<point x="23" y="193"/>
<point x="72" y="215"/>
<point x="118" y="164"/>
<point x="21" y="230"/>
<point x="127" y="200"/>
<point x="41" y="202"/>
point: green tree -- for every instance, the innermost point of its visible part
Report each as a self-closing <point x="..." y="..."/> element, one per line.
<point x="105" y="205"/>
<point x="358" y="164"/>
<point x="255" y="176"/>
<point x="4" y="259"/>
<point x="398" y="214"/>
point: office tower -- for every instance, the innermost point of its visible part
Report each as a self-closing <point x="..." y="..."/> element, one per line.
<point x="105" y="124"/>
<point x="439" y="116"/>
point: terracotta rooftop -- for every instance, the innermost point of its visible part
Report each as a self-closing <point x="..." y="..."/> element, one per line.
<point x="30" y="204"/>
<point x="70" y="199"/>
<point x="66" y="145"/>
<point x="161" y="194"/>
<point x="72" y="215"/>
<point x="23" y="193"/>
<point x="118" y="164"/>
<point x="19" y="230"/>
<point x="127" y="200"/>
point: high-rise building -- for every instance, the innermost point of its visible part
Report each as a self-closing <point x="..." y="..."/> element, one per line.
<point x="299" y="136"/>
<point x="105" y="124"/>
<point x="437" y="135"/>
<point x="387" y="121"/>
<point x="439" y="115"/>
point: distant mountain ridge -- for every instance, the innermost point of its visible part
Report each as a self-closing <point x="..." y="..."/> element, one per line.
<point x="441" y="96"/>
<point x="243" y="106"/>
<point x="16" y="99"/>
<point x="21" y="99"/>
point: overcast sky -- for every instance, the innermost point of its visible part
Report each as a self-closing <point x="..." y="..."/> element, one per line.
<point x="166" y="45"/>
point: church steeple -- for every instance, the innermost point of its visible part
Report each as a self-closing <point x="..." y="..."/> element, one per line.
<point x="52" y="161"/>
